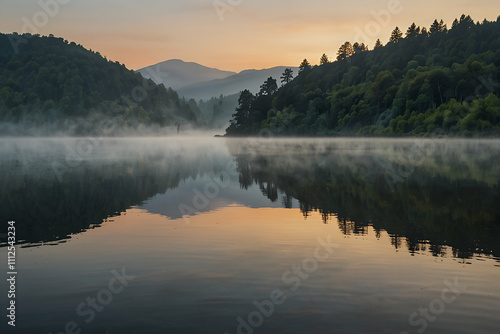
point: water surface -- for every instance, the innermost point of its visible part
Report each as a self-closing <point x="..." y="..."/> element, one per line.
<point x="254" y="235"/>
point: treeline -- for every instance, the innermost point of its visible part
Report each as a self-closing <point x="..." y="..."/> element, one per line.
<point x="430" y="82"/>
<point x="44" y="79"/>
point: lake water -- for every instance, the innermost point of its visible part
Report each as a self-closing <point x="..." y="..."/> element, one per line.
<point x="213" y="235"/>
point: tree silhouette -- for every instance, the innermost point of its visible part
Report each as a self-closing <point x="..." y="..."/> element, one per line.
<point x="413" y="30"/>
<point x="346" y="50"/>
<point x="287" y="76"/>
<point x="304" y="66"/>
<point x="268" y="87"/>
<point x="242" y="115"/>
<point x="434" y="27"/>
<point x="396" y="35"/>
<point x="359" y="47"/>
<point x="324" y="59"/>
<point x="467" y="18"/>
<point x="378" y="44"/>
<point x="442" y="26"/>
<point x="466" y="21"/>
<point x="438" y="27"/>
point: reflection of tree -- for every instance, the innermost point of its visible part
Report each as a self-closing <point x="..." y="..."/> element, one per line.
<point x="47" y="210"/>
<point x="396" y="240"/>
<point x="349" y="226"/>
<point x="451" y="199"/>
<point x="50" y="210"/>
<point x="287" y="201"/>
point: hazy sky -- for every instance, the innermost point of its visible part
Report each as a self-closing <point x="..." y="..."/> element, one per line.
<point x="239" y="34"/>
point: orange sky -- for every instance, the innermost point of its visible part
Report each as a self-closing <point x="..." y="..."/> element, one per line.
<point x="228" y="34"/>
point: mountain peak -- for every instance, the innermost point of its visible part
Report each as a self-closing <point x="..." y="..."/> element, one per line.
<point x="176" y="73"/>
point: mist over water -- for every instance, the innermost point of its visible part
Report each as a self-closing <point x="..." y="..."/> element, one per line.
<point x="99" y="126"/>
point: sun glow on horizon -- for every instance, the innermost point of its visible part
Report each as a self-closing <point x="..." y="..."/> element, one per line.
<point x="251" y="35"/>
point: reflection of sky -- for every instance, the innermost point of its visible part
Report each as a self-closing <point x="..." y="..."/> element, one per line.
<point x="199" y="277"/>
<point x="167" y="204"/>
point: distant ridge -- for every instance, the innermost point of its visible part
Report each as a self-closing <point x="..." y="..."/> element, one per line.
<point x="247" y="79"/>
<point x="176" y="73"/>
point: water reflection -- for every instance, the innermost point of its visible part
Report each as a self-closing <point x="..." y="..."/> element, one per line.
<point x="426" y="194"/>
<point x="53" y="192"/>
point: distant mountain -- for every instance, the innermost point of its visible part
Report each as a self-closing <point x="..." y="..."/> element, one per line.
<point x="176" y="73"/>
<point x="195" y="81"/>
<point x="248" y="79"/>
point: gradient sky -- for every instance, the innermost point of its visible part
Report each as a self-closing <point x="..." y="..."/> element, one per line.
<point x="251" y="34"/>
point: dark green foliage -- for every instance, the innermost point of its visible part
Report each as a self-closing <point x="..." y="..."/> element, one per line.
<point x="445" y="83"/>
<point x="47" y="80"/>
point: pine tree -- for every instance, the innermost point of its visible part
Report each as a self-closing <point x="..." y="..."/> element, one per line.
<point x="242" y="115"/>
<point x="359" y="47"/>
<point x="346" y="50"/>
<point x="396" y="35"/>
<point x="442" y="26"/>
<point x="304" y="66"/>
<point x="412" y="30"/>
<point x="466" y="21"/>
<point x="287" y="76"/>
<point x="324" y="59"/>
<point x="434" y="27"/>
<point x="269" y="87"/>
<point x="378" y="44"/>
<point x="437" y="27"/>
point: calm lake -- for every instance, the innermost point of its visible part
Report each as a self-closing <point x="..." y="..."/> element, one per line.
<point x="213" y="235"/>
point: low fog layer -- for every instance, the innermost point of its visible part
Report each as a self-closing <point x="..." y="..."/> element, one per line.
<point x="100" y="127"/>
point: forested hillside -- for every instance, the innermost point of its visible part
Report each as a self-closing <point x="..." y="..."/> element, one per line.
<point x="47" y="81"/>
<point x="426" y="82"/>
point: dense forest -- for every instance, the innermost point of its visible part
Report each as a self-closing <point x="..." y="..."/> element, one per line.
<point x="48" y="80"/>
<point x="435" y="81"/>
